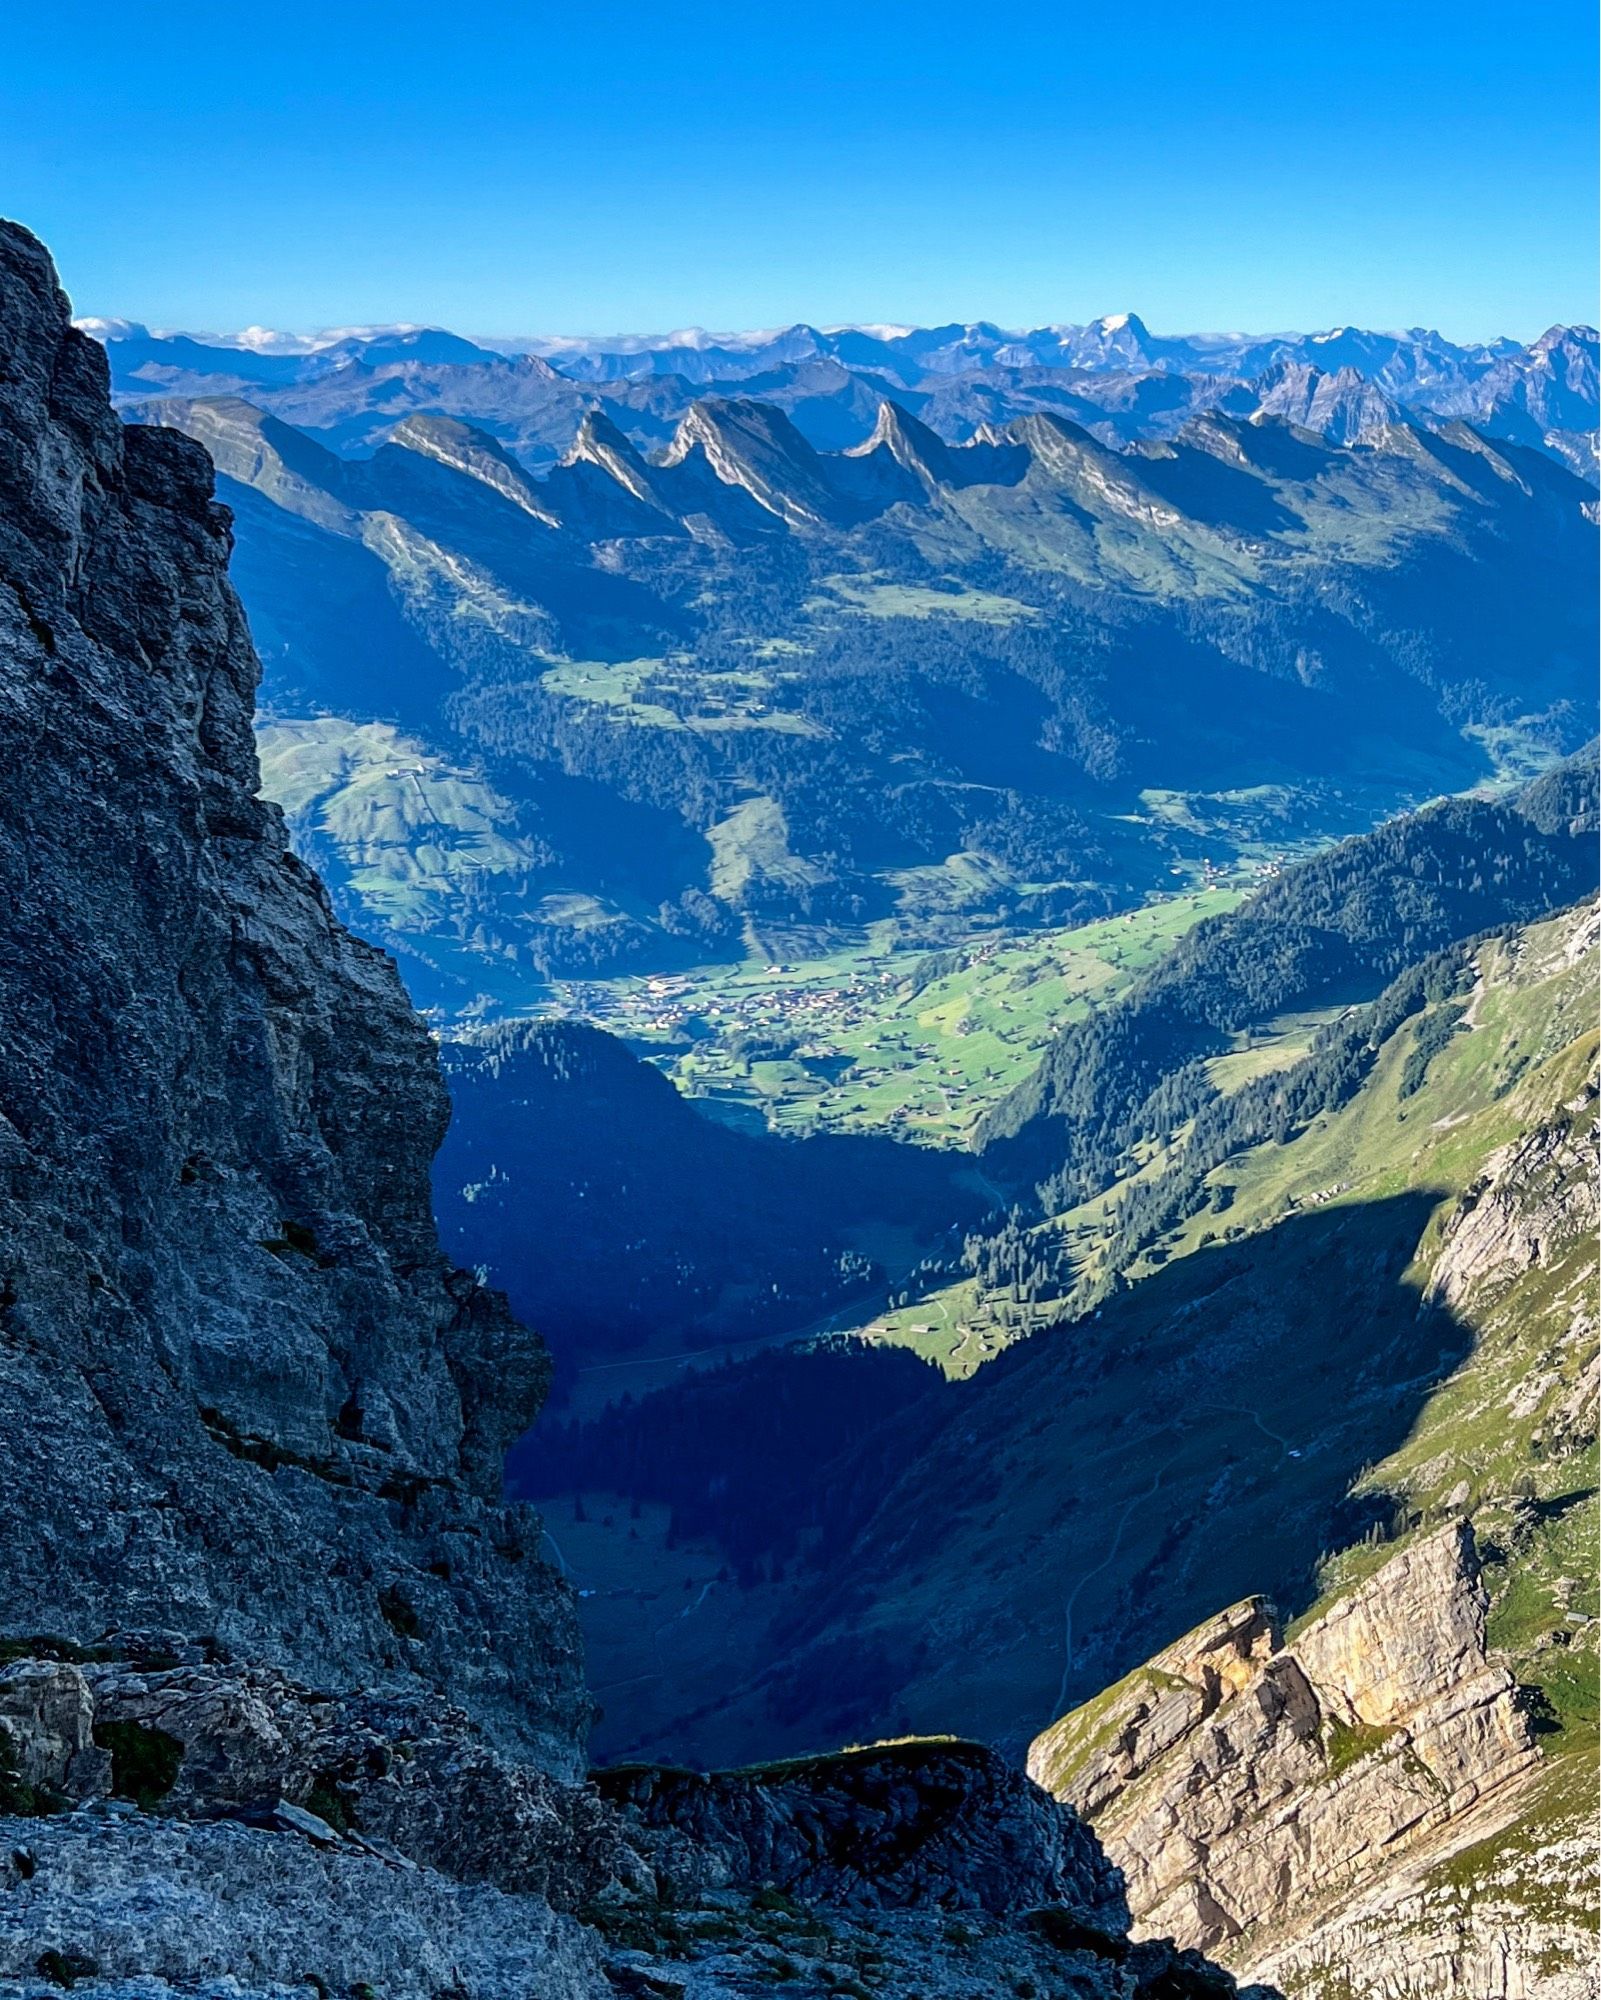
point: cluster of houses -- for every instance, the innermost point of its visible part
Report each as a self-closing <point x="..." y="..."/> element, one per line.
<point x="809" y="1014"/>
<point x="671" y="1007"/>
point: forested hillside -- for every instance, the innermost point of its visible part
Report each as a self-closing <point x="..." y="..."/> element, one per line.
<point x="1254" y="1016"/>
<point x="1335" y="927"/>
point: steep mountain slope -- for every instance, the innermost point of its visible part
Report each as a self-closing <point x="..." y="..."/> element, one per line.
<point x="1454" y="1846"/>
<point x="916" y="683"/>
<point x="676" y="1231"/>
<point x="287" y="1697"/>
<point x="1499" y="1072"/>
<point x="1343" y="407"/>
<point x="226" y="1313"/>
<point x="1336" y="926"/>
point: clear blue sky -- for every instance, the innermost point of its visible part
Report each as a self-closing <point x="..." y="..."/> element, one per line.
<point x="625" y="166"/>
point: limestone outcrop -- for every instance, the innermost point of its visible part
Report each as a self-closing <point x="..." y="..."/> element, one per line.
<point x="1533" y="1196"/>
<point x="405" y="1776"/>
<point x="1518" y="1926"/>
<point x="1237" y="1778"/>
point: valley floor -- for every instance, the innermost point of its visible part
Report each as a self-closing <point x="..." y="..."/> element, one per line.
<point x="877" y="1037"/>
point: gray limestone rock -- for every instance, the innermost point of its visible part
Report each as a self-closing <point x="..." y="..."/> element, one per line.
<point x="156" y="1906"/>
<point x="242" y="1392"/>
<point x="932" y="1823"/>
<point x="241" y="1833"/>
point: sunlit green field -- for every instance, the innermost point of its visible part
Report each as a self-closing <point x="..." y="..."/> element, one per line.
<point x="881" y="1039"/>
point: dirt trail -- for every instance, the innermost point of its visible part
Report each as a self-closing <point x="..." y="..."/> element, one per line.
<point x="1138" y="1500"/>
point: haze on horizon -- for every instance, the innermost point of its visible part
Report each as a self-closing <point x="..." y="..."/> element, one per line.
<point x="550" y="342"/>
<point x="911" y="165"/>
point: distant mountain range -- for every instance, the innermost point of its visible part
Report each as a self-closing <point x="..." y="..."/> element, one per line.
<point x="739" y="692"/>
<point x="350" y="386"/>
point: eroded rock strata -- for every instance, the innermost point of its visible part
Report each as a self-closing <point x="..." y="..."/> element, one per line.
<point x="289" y="1701"/>
<point x="1240" y="1781"/>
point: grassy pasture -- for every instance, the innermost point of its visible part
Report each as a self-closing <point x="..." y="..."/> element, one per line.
<point x="876" y="1038"/>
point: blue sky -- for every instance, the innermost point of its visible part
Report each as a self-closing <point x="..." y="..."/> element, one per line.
<point x="640" y="167"/>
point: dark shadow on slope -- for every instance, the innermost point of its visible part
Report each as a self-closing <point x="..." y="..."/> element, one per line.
<point x="996" y="1551"/>
<point x="1196" y="1442"/>
<point x="1207" y="488"/>
<point x="1560" y="1505"/>
<point x="735" y="1450"/>
<point x="338" y="640"/>
<point x="596" y="613"/>
<point x="1278" y="449"/>
<point x="614" y="1214"/>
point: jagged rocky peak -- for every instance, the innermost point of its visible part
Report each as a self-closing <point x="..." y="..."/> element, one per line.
<point x="1120" y="340"/>
<point x="600" y="443"/>
<point x="1130" y="325"/>
<point x="755" y="446"/>
<point x="473" y="452"/>
<point x="243" y="1394"/>
<point x="598" y="439"/>
<point x="1569" y="352"/>
<point x="726" y="421"/>
<point x="911" y="444"/>
<point x="1342" y="406"/>
<point x="1053" y="440"/>
<point x="1063" y="454"/>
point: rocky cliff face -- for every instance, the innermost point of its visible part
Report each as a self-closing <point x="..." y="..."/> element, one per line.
<point x="241" y="1390"/>
<point x="1235" y="1777"/>
<point x="288" y="1699"/>
<point x="892" y="1826"/>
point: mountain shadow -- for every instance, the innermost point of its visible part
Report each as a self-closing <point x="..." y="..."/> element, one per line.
<point x="1208" y="488"/>
<point x="994" y="1551"/>
<point x="673" y="1230"/>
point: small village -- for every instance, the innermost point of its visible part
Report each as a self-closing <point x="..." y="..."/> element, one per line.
<point x="916" y="1042"/>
